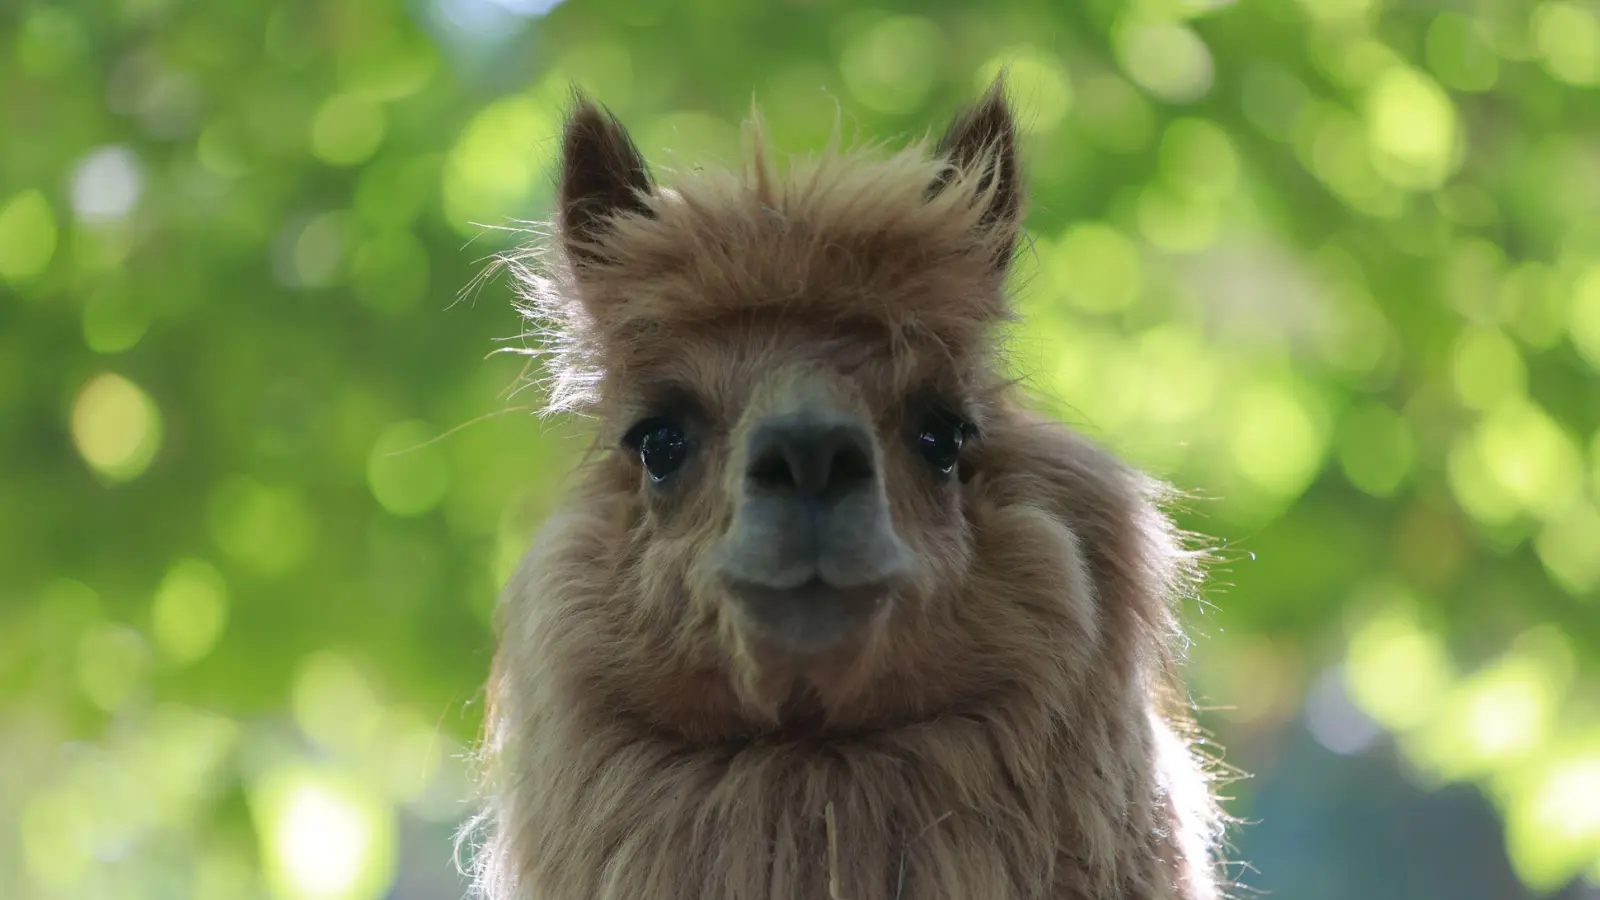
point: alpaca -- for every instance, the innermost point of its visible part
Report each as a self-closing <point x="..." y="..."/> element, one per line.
<point x="828" y="614"/>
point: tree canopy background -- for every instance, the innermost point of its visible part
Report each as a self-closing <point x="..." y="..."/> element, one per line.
<point x="1331" y="266"/>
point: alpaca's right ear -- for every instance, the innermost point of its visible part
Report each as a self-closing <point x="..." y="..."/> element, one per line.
<point x="602" y="177"/>
<point x="986" y="135"/>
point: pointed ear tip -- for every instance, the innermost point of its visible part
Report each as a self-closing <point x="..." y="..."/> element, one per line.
<point x="584" y="115"/>
<point x="997" y="98"/>
<point x="584" y="109"/>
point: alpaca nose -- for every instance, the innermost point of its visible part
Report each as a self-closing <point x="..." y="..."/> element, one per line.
<point x="809" y="456"/>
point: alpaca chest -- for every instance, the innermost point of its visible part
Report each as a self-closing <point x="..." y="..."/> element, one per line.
<point x="783" y="824"/>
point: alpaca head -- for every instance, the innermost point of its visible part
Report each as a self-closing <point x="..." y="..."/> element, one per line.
<point x="794" y="378"/>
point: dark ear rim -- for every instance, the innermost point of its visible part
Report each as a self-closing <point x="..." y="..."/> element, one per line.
<point x="985" y="134"/>
<point x="603" y="176"/>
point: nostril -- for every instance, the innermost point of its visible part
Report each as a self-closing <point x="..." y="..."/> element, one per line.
<point x="809" y="457"/>
<point x="770" y="468"/>
<point x="852" y="463"/>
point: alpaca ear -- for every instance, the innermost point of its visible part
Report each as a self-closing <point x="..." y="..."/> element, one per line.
<point x="986" y="135"/>
<point x="602" y="176"/>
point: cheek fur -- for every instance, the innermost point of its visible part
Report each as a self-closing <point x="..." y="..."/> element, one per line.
<point x="929" y="514"/>
<point x="1033" y="564"/>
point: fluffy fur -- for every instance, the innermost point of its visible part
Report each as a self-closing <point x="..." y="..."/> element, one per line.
<point x="1012" y="727"/>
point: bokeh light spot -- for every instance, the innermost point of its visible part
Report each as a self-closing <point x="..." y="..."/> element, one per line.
<point x="1340" y="156"/>
<point x="1569" y="548"/>
<point x="1376" y="449"/>
<point x="1097" y="266"/>
<point x="799" y="105"/>
<point x="1412" y="128"/>
<point x="333" y="702"/>
<point x="1396" y="669"/>
<point x="225" y="872"/>
<point x="1534" y="303"/>
<point x="527" y="7"/>
<point x="1188" y="375"/>
<point x="1334" y="720"/>
<point x="116" y="427"/>
<point x="1474" y="487"/>
<point x="496" y="169"/>
<point x="112" y="322"/>
<point x="1553" y="826"/>
<point x="346" y="129"/>
<point x="397" y="66"/>
<point x="407" y="470"/>
<point x="1276" y="441"/>
<point x="890" y="65"/>
<point x="1486" y="368"/>
<point x="268" y="529"/>
<point x="1198" y="158"/>
<point x="324" y="836"/>
<point x="1175" y="222"/>
<point x="112" y="660"/>
<point x="1165" y="58"/>
<point x="1115" y="116"/>
<point x="393" y="190"/>
<point x="57" y="830"/>
<point x="1583" y="322"/>
<point x="407" y="753"/>
<point x="1530" y="456"/>
<point x="1594" y="464"/>
<point x="1500" y="715"/>
<point x="221" y="149"/>
<point x="1568" y="39"/>
<point x="312" y="252"/>
<point x="1337" y="11"/>
<point x="106" y="184"/>
<point x="189" y="611"/>
<point x="49" y="40"/>
<point x="27" y="236"/>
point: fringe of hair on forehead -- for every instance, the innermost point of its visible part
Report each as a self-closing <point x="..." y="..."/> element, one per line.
<point x="905" y="240"/>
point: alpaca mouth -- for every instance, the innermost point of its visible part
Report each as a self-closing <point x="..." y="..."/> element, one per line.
<point x="813" y="615"/>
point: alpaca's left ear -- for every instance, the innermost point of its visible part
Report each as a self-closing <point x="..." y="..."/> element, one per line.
<point x="602" y="176"/>
<point x="986" y="135"/>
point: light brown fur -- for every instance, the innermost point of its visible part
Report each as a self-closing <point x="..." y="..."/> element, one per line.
<point x="1010" y="727"/>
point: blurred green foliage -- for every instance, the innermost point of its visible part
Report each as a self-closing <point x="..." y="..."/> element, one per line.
<point x="1333" y="266"/>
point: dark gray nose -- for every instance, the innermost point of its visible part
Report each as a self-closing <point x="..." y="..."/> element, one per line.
<point x="822" y="457"/>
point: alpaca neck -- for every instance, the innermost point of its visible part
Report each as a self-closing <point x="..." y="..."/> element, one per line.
<point x="1008" y="803"/>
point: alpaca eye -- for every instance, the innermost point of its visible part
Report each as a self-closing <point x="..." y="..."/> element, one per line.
<point x="661" y="446"/>
<point x="940" y="440"/>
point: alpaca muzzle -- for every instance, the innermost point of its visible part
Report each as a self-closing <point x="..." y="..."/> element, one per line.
<point x="811" y="555"/>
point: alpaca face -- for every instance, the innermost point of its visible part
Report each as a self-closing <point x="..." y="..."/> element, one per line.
<point x="793" y="380"/>
<point x="813" y="499"/>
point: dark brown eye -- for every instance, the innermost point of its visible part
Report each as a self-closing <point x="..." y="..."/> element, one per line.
<point x="940" y="440"/>
<point x="662" y="447"/>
